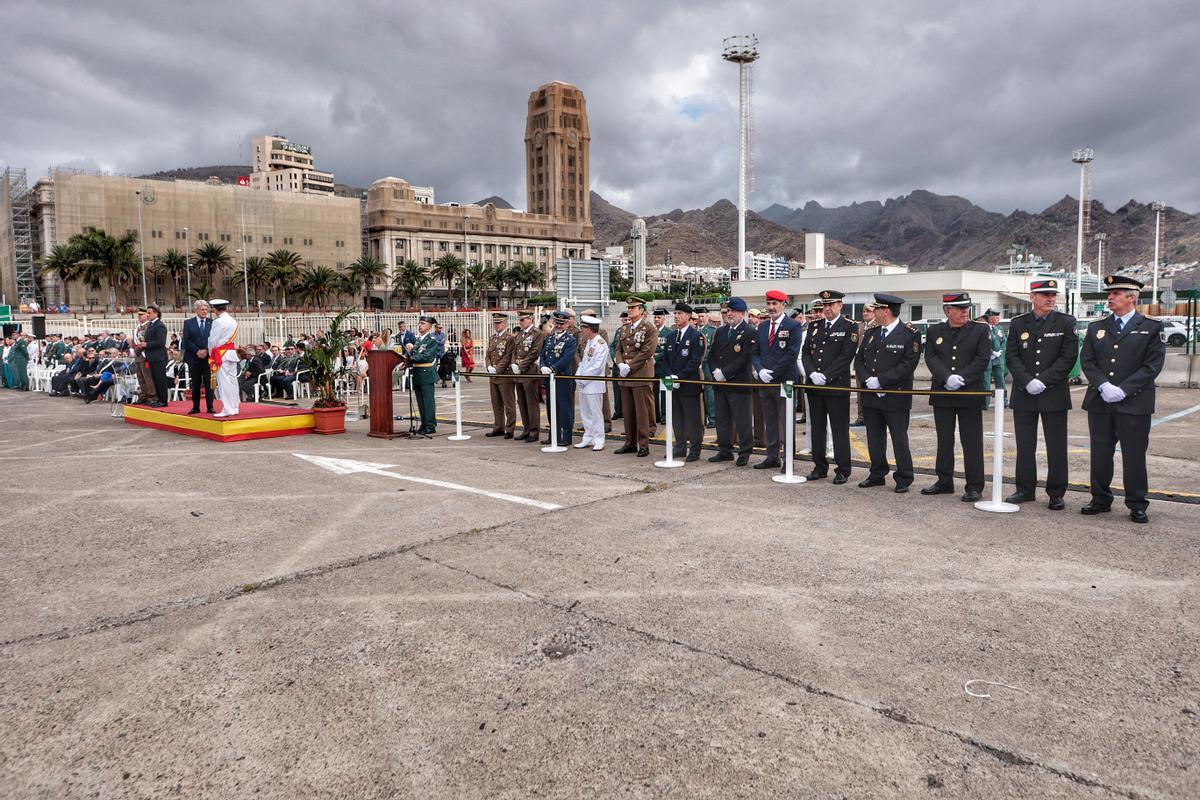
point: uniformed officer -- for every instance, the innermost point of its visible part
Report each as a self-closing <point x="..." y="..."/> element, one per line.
<point x="887" y="359"/>
<point x="558" y="358"/>
<point x="868" y="321"/>
<point x="682" y="355"/>
<point x="993" y="376"/>
<point x="708" y="331"/>
<point x="660" y="400"/>
<point x="635" y="359"/>
<point x="1041" y="351"/>
<point x="730" y="361"/>
<point x="1122" y="356"/>
<point x="828" y="353"/>
<point x="613" y="343"/>
<point x="957" y="352"/>
<point x="526" y="346"/>
<point x="498" y="360"/>
<point x="776" y="360"/>
<point x="423" y="353"/>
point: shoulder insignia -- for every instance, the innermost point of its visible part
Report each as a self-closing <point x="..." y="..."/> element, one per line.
<point x="909" y="325"/>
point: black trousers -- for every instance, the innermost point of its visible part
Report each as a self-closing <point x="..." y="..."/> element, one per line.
<point x="199" y="370"/>
<point x="774" y="411"/>
<point x="879" y="424"/>
<point x="734" y="415"/>
<point x="837" y="407"/>
<point x="687" y="421"/>
<point x="660" y="402"/>
<point x="1054" y="428"/>
<point x="970" y="434"/>
<point x="1133" y="432"/>
<point x="158" y="374"/>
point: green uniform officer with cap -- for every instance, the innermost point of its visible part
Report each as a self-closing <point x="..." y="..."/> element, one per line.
<point x="423" y="372"/>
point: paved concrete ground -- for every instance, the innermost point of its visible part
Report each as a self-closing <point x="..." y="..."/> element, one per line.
<point x="700" y="632"/>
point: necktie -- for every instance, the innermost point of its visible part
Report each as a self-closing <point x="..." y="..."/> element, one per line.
<point x="1120" y="325"/>
<point x="771" y="337"/>
<point x="882" y="334"/>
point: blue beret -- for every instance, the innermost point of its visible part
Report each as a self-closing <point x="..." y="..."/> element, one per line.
<point x="561" y="316"/>
<point x="738" y="304"/>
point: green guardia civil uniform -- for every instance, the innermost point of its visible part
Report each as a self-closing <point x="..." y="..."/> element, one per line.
<point x="424" y="376"/>
<point x="710" y="400"/>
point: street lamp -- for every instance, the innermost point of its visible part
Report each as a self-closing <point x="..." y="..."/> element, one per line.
<point x="187" y="262"/>
<point x="142" y="247"/>
<point x="465" y="262"/>
<point x="245" y="271"/>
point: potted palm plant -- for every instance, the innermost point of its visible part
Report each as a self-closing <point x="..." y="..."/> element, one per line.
<point x="326" y="366"/>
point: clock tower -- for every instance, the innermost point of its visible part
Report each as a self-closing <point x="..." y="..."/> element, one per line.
<point x="557" y="145"/>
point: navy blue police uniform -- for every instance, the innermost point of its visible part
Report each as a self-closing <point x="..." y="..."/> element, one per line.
<point x="828" y="351"/>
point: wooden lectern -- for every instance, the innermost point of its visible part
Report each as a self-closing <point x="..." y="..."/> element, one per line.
<point x="380" y="364"/>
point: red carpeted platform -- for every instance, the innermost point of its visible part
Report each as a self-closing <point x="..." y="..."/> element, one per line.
<point x="254" y="421"/>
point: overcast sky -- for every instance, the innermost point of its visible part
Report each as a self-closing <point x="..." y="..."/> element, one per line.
<point x="853" y="100"/>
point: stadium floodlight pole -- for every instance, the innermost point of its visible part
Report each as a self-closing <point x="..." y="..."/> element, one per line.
<point x="1082" y="157"/>
<point x="142" y="246"/>
<point x="1158" y="209"/>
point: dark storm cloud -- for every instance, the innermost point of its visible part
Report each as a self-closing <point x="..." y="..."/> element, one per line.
<point x="854" y="101"/>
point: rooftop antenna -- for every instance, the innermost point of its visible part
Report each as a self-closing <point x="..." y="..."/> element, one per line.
<point x="743" y="51"/>
<point x="1083" y="157"/>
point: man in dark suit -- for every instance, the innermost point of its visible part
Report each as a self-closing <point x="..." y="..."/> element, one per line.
<point x="1041" y="351"/>
<point x="255" y="367"/>
<point x="1122" y="356"/>
<point x="683" y="354"/>
<point x="957" y="353"/>
<point x="195" y="354"/>
<point x="730" y="361"/>
<point x="558" y="358"/>
<point x="776" y="350"/>
<point x="156" y="355"/>
<point x="829" y="347"/>
<point x="887" y="359"/>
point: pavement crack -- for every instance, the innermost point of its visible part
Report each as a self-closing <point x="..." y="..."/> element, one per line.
<point x="1003" y="754"/>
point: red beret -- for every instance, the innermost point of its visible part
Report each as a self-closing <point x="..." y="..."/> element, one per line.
<point x="775" y="294"/>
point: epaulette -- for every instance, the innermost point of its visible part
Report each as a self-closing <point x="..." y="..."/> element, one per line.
<point x="1022" y="314"/>
<point x="909" y="325"/>
<point x="1152" y="319"/>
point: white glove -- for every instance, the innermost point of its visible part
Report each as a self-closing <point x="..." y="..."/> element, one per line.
<point x="492" y="370"/>
<point x="545" y="370"/>
<point x="818" y="378"/>
<point x="1035" y="387"/>
<point x="955" y="382"/>
<point x="765" y="375"/>
<point x="718" y="375"/>
<point x="623" y="369"/>
<point x="873" y="382"/>
<point x="1110" y="393"/>
<point x="995" y="354"/>
<point x="516" y="368"/>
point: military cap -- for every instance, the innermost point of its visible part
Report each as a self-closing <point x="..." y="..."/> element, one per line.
<point x="956" y="299"/>
<point x="681" y="306"/>
<point x="882" y="299"/>
<point x="142" y="309"/>
<point x="831" y="294"/>
<point x="1044" y="287"/>
<point x="525" y="312"/>
<point x="430" y="320"/>
<point x="818" y="304"/>
<point x="775" y="294"/>
<point x="1114" y="282"/>
<point x="754" y="312"/>
<point x="660" y="312"/>
<point x="795" y="312"/>
<point x="561" y="316"/>
<point x="737" y="304"/>
<point x="701" y="309"/>
<point x="634" y="301"/>
<point x="218" y="303"/>
<point x="991" y="312"/>
<point x="498" y="317"/>
<point x="590" y="321"/>
<point x="624" y="315"/>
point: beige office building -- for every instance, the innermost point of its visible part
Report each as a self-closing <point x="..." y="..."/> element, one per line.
<point x="185" y="215"/>
<point x="283" y="166"/>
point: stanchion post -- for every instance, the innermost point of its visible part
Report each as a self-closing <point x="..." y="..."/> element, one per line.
<point x="788" y="391"/>
<point x="551" y="401"/>
<point x="458" y="434"/>
<point x="670" y="462"/>
<point x="997" y="504"/>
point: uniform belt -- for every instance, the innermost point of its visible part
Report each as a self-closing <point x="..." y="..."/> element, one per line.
<point x="424" y="364"/>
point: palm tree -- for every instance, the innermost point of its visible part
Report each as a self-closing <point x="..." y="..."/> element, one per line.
<point x="317" y="283"/>
<point x="410" y="280"/>
<point x="201" y="291"/>
<point x="366" y="271"/>
<point x="63" y="261"/>
<point x="285" y="266"/>
<point x="103" y="257"/>
<point x="174" y="265"/>
<point x="526" y="274"/>
<point x="497" y="278"/>
<point x="447" y="270"/>
<point x="477" y="279"/>
<point x="213" y="258"/>
<point x="259" y="273"/>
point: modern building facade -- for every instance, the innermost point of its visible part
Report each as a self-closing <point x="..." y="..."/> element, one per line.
<point x="763" y="267"/>
<point x="557" y="153"/>
<point x="283" y="166"/>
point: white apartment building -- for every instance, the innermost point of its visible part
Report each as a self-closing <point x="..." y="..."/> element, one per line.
<point x="282" y="166"/>
<point x="763" y="267"/>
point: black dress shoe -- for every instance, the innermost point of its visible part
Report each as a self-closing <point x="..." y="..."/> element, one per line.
<point x="1056" y="504"/>
<point x="770" y="463"/>
<point x="839" y="479"/>
<point x="643" y="452"/>
<point x="546" y="440"/>
<point x="692" y="457"/>
<point x="902" y="489"/>
<point x="1139" y="516"/>
<point x="719" y="457"/>
<point x="1093" y="508"/>
<point x="491" y="434"/>
<point x="1019" y="497"/>
<point x="508" y="436"/>
<point x="678" y="453"/>
<point x="194" y="411"/>
<point x="817" y="476"/>
<point x="971" y="497"/>
<point x="938" y="488"/>
<point x="858" y="423"/>
<point x="743" y="461"/>
<point x="625" y="449"/>
<point x="868" y="483"/>
<point x="210" y="411"/>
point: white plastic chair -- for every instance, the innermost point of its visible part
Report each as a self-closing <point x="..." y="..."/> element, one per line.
<point x="264" y="382"/>
<point x="181" y="384"/>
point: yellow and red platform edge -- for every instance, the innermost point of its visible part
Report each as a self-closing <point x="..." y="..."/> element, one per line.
<point x="256" y="422"/>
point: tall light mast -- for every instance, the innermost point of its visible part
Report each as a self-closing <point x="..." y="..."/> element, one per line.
<point x="1100" y="237"/>
<point x="1083" y="157"/>
<point x="1158" y="209"/>
<point x="743" y="51"/>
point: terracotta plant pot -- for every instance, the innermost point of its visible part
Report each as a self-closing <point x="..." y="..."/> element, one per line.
<point x="330" y="420"/>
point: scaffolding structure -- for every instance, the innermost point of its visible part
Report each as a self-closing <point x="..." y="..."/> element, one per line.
<point x="21" y="202"/>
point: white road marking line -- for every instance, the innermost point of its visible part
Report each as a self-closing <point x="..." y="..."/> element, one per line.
<point x="345" y="466"/>
<point x="1175" y="416"/>
<point x="54" y="442"/>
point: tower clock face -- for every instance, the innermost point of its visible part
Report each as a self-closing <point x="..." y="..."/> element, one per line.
<point x="573" y="136"/>
<point x="539" y="139"/>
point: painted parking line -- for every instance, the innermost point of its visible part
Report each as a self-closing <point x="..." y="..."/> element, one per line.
<point x="1175" y="416"/>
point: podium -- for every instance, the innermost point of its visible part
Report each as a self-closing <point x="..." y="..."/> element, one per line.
<point x="380" y="364"/>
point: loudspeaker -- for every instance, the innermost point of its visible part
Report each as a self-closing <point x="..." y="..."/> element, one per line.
<point x="39" y="326"/>
<point x="10" y="328"/>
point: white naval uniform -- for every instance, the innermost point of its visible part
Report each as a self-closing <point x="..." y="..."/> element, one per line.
<point x="591" y="393"/>
<point x="223" y="329"/>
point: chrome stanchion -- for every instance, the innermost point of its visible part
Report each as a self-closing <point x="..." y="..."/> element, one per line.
<point x="787" y="390"/>
<point x="997" y="504"/>
<point x="458" y="436"/>
<point x="670" y="462"/>
<point x="552" y="401"/>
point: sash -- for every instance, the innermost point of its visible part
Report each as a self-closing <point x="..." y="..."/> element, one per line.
<point x="215" y="356"/>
